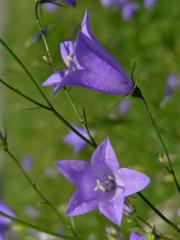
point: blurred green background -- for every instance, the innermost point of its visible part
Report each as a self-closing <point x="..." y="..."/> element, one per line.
<point x="152" y="40"/>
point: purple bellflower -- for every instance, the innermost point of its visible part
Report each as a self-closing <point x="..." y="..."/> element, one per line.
<point x="75" y="141"/>
<point x="101" y="183"/>
<point x="149" y="3"/>
<point x="136" y="236"/>
<point x="4" y="222"/>
<point x="50" y="7"/>
<point x="90" y="66"/>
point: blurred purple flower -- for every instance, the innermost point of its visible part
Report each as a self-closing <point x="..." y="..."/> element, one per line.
<point x="172" y="84"/>
<point x="129" y="9"/>
<point x="91" y="66"/>
<point x="77" y="143"/>
<point x="101" y="184"/>
<point x="136" y="236"/>
<point x="32" y="212"/>
<point x="149" y="3"/>
<point x="50" y="7"/>
<point x="124" y="106"/>
<point x="27" y="162"/>
<point x="5" y="222"/>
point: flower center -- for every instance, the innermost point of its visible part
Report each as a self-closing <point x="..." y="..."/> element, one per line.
<point x="105" y="185"/>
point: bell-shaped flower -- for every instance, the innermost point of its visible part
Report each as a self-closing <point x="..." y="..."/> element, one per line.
<point x="101" y="183"/>
<point x="91" y="66"/>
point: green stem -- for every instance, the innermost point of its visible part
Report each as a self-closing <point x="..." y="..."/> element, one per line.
<point x="170" y="169"/>
<point x="158" y="212"/>
<point x="51" y="109"/>
<point x="33" y="185"/>
<point x="35" y="227"/>
<point x="26" y="70"/>
<point x="24" y="95"/>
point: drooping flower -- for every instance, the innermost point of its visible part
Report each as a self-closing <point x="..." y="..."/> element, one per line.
<point x="5" y="222"/>
<point x="136" y="236"/>
<point x="75" y="141"/>
<point x="124" y="106"/>
<point x="50" y="7"/>
<point x="101" y="183"/>
<point x="94" y="68"/>
<point x="149" y="3"/>
<point x="37" y="37"/>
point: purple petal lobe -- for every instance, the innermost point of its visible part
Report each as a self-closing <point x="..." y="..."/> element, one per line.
<point x="113" y="208"/>
<point x="54" y="79"/>
<point x="78" y="205"/>
<point x="110" y="77"/>
<point x="134" y="181"/>
<point x="71" y="169"/>
<point x="105" y="153"/>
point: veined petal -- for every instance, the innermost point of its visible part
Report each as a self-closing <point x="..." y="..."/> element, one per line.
<point x="67" y="52"/>
<point x="105" y="153"/>
<point x="97" y="47"/>
<point x="113" y="208"/>
<point x="109" y="76"/>
<point x="134" y="181"/>
<point x="78" y="206"/>
<point x="72" y="169"/>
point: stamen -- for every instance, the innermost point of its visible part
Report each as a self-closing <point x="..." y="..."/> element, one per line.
<point x="104" y="185"/>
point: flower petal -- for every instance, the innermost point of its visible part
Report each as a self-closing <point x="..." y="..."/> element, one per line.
<point x="97" y="47"/>
<point x="54" y="79"/>
<point x="67" y="52"/>
<point x="72" y="169"/>
<point x="113" y="209"/>
<point x="134" y="181"/>
<point x="110" y="78"/>
<point x="78" y="206"/>
<point x="105" y="153"/>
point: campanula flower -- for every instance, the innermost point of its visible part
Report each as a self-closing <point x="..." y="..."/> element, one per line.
<point x="50" y="7"/>
<point x="5" y="222"/>
<point x="75" y="141"/>
<point x="91" y="66"/>
<point x="136" y="236"/>
<point x="101" y="183"/>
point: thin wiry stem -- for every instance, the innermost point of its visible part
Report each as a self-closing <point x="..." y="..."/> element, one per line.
<point x="35" y="227"/>
<point x="137" y="93"/>
<point x="158" y="212"/>
<point x="170" y="168"/>
<point x="34" y="186"/>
